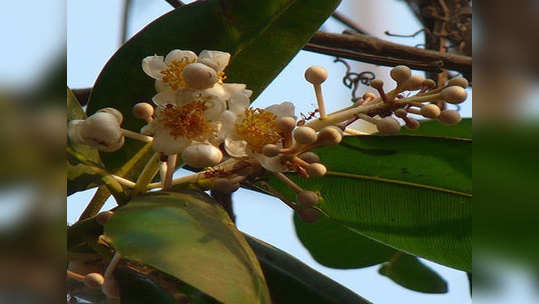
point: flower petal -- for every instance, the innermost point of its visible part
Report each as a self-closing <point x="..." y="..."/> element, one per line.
<point x="238" y="103"/>
<point x="284" y="109"/>
<point x="272" y="164"/>
<point x="165" y="97"/>
<point x="153" y="65"/>
<point x="161" y="86"/>
<point x="164" y="142"/>
<point x="180" y="55"/>
<point x="215" y="108"/>
<point x="236" y="148"/>
<point x="217" y="60"/>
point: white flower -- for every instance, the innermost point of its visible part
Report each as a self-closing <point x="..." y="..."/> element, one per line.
<point x="101" y="130"/>
<point x="247" y="131"/>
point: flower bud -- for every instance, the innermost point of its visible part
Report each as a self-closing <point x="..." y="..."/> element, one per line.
<point x="377" y="84"/>
<point x="388" y="125"/>
<point x="401" y="113"/>
<point x="117" y="114"/>
<point x="415" y="82"/>
<point x="430" y="111"/>
<point x="110" y="288"/>
<point x="203" y="155"/>
<point x="199" y="76"/>
<point x="429" y="83"/>
<point x="286" y="124"/>
<point x="400" y="73"/>
<point x="454" y="94"/>
<point x="94" y="280"/>
<point x="458" y="81"/>
<point x="271" y="150"/>
<point x="309" y="157"/>
<point x="224" y="185"/>
<point x="143" y="110"/>
<point x="412" y="124"/>
<point x="329" y="136"/>
<point x="317" y="170"/>
<point x="305" y="135"/>
<point x="308" y="214"/>
<point x="307" y="199"/>
<point x="316" y="74"/>
<point x="102" y="130"/>
<point x="103" y="217"/>
<point x="449" y="117"/>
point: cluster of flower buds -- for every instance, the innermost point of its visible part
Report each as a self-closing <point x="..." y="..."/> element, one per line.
<point x="210" y="124"/>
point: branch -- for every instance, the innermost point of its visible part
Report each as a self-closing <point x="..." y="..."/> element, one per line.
<point x="175" y="3"/>
<point x="348" y="22"/>
<point x="375" y="47"/>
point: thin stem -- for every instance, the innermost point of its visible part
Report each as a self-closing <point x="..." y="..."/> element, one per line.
<point x="288" y="181"/>
<point x="348" y="22"/>
<point x="320" y="100"/>
<point x="125" y="21"/>
<point x="112" y="265"/>
<point x="171" y="166"/>
<point x="147" y="174"/>
<point x="137" y="136"/>
<point x="74" y="275"/>
<point x="124" y="181"/>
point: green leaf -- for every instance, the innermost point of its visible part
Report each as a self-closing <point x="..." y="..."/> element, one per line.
<point x="190" y="237"/>
<point x="79" y="176"/>
<point x="334" y="245"/>
<point x="136" y="288"/>
<point x="291" y="281"/>
<point x="435" y="129"/>
<point x="412" y="193"/>
<point x="261" y="36"/>
<point x="409" y="272"/>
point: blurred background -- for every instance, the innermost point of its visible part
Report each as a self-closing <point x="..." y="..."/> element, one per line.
<point x="47" y="44"/>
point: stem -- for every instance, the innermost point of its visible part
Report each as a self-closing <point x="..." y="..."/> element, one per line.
<point x="125" y="21"/>
<point x="288" y="181"/>
<point x="74" y="275"/>
<point x="171" y="166"/>
<point x="124" y="181"/>
<point x="97" y="202"/>
<point x="320" y="100"/>
<point x="147" y="174"/>
<point x="137" y="136"/>
<point x="348" y="22"/>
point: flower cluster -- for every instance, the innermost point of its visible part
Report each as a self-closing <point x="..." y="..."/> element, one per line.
<point x="211" y="125"/>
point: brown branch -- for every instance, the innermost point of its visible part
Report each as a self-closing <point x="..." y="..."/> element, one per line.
<point x="373" y="46"/>
<point x="433" y="66"/>
<point x="348" y="22"/>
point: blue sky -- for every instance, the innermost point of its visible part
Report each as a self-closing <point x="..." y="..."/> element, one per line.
<point x="93" y="31"/>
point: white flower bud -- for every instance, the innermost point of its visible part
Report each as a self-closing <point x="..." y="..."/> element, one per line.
<point x="117" y="114"/>
<point x="305" y="135"/>
<point x="449" y="117"/>
<point x="316" y="74"/>
<point x="94" y="280"/>
<point x="203" y="155"/>
<point x="388" y="125"/>
<point x="102" y="130"/>
<point x="73" y="131"/>
<point x="454" y="94"/>
<point x="317" y="170"/>
<point x="286" y="124"/>
<point x="307" y="198"/>
<point x="400" y="73"/>
<point x="309" y="157"/>
<point x="224" y="185"/>
<point x="415" y="82"/>
<point x="271" y="150"/>
<point x="458" y="81"/>
<point x="143" y="110"/>
<point x="430" y="111"/>
<point x="199" y="76"/>
<point x="330" y="136"/>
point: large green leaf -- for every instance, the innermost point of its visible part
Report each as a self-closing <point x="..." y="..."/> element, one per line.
<point x="262" y="37"/>
<point x="334" y="245"/>
<point x="190" y="237"/>
<point x="291" y="281"/>
<point x="410" y="192"/>
<point x="435" y="129"/>
<point x="79" y="176"/>
<point x="408" y="271"/>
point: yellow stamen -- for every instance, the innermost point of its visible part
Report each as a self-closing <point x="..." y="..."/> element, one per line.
<point x="221" y="77"/>
<point x="172" y="75"/>
<point x="258" y="128"/>
<point x="187" y="121"/>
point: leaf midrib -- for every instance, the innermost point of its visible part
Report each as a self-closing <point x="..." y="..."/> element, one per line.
<point x="398" y="182"/>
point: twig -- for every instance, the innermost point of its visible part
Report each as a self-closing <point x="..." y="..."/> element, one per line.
<point x="348" y="22"/>
<point x="434" y="66"/>
<point x="175" y="3"/>
<point x="372" y="46"/>
<point x="125" y="21"/>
